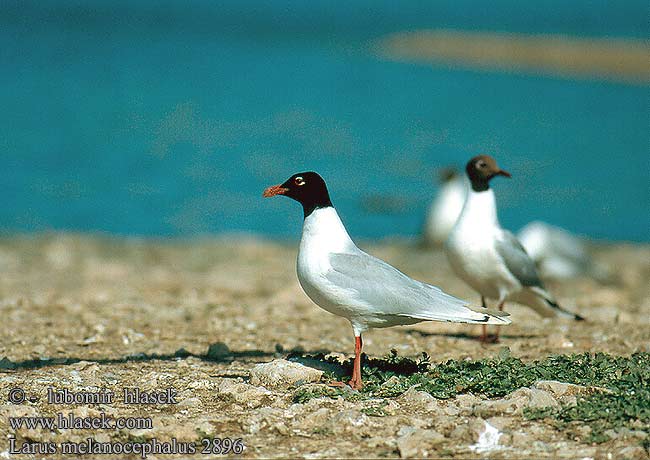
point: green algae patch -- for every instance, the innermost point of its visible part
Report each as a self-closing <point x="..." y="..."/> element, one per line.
<point x="617" y="396"/>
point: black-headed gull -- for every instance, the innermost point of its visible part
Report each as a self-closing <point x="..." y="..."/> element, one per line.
<point x="560" y="254"/>
<point x="342" y="279"/>
<point x="490" y="259"/>
<point x="445" y="208"/>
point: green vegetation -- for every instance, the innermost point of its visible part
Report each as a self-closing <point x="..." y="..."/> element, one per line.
<point x="375" y="410"/>
<point x="624" y="404"/>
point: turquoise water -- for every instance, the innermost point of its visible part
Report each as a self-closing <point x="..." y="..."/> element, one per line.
<point x="168" y="119"/>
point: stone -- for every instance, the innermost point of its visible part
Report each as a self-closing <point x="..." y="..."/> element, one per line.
<point x="264" y="418"/>
<point x="515" y="402"/>
<point x="541" y="398"/>
<point x="219" y="352"/>
<point x="415" y="400"/>
<point x="521" y="439"/>
<point x="316" y="419"/>
<point x="165" y="428"/>
<point x="243" y="394"/>
<point x="632" y="453"/>
<point x="415" y="442"/>
<point x="463" y="404"/>
<point x="488" y="439"/>
<point x="469" y="431"/>
<point x="503" y="423"/>
<point x="558" y="389"/>
<point x="205" y="428"/>
<point x="14" y="410"/>
<point x="350" y="420"/>
<point x="191" y="403"/>
<point x="566" y="393"/>
<point x="281" y="373"/>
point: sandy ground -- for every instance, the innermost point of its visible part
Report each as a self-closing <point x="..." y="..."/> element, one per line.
<point x="614" y="59"/>
<point x="75" y="308"/>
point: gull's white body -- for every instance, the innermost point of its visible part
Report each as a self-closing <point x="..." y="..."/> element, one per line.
<point x="323" y="233"/>
<point x="444" y="211"/>
<point x="479" y="250"/>
<point x="472" y="252"/>
<point x="344" y="280"/>
<point x="558" y="253"/>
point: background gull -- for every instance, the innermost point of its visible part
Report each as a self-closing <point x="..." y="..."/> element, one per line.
<point x="445" y="207"/>
<point x="490" y="259"/>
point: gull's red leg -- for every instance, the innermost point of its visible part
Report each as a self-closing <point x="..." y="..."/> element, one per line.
<point x="484" y="337"/>
<point x="356" y="382"/>
<point x="496" y="337"/>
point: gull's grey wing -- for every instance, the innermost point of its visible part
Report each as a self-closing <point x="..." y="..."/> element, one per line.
<point x="517" y="260"/>
<point x="388" y="291"/>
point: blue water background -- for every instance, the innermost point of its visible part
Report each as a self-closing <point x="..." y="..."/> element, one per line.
<point x="169" y="118"/>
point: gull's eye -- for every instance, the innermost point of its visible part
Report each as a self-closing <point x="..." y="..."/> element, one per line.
<point x="299" y="181"/>
<point x="481" y="164"/>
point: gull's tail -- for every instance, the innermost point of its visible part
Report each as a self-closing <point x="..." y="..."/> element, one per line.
<point x="541" y="301"/>
<point x="562" y="312"/>
<point x="492" y="316"/>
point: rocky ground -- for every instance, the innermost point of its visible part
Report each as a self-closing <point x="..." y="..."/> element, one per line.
<point x="87" y="313"/>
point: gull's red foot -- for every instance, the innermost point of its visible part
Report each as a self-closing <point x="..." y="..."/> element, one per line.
<point x="356" y="383"/>
<point x="336" y="384"/>
<point x="488" y="338"/>
<point x="492" y="338"/>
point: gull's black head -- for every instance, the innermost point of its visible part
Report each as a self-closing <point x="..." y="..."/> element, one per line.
<point x="307" y="188"/>
<point x="481" y="169"/>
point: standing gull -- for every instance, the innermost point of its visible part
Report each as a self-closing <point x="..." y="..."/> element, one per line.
<point x="342" y="279"/>
<point x="445" y="208"/>
<point x="490" y="259"/>
<point x="560" y="254"/>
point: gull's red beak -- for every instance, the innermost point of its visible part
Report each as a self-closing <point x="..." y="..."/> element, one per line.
<point x="501" y="172"/>
<point x="274" y="190"/>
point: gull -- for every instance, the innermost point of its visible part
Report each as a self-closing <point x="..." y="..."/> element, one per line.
<point x="445" y="208"/>
<point x="490" y="259"/>
<point x="560" y="254"/>
<point x="344" y="280"/>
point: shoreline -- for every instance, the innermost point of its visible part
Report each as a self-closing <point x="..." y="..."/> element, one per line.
<point x="609" y="59"/>
<point x="412" y="241"/>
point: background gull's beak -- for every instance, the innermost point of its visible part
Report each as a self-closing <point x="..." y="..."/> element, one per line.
<point x="501" y="172"/>
<point x="274" y="190"/>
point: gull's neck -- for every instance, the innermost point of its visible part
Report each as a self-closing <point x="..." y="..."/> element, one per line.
<point x="324" y="231"/>
<point x="480" y="209"/>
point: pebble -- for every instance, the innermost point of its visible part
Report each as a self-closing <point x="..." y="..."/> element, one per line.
<point x="282" y="373"/>
<point x="413" y="442"/>
<point x="243" y="394"/>
<point x="415" y="400"/>
<point x="515" y="402"/>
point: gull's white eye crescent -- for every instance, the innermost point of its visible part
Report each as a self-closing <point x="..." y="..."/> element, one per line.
<point x="481" y="164"/>
<point x="299" y="181"/>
